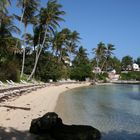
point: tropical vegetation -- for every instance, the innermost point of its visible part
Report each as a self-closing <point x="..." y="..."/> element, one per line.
<point x="49" y="51"/>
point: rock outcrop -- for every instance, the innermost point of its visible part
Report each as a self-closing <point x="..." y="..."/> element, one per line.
<point x="51" y="127"/>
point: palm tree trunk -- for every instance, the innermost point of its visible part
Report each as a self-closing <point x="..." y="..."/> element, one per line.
<point x="22" y="16"/>
<point x="23" y="57"/>
<point x="35" y="65"/>
<point x="60" y="57"/>
<point x="37" y="56"/>
<point x="103" y="64"/>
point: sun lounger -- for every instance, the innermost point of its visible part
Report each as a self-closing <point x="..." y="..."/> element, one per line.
<point x="10" y="82"/>
<point x="1" y="83"/>
<point x="23" y="82"/>
<point x="13" y="83"/>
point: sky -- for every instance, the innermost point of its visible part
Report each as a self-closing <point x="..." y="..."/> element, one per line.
<point x="109" y="21"/>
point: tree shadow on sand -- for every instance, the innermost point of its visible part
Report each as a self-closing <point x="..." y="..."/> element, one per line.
<point x="120" y="135"/>
<point x="13" y="134"/>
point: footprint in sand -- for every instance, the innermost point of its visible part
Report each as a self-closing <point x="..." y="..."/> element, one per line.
<point x="8" y="110"/>
<point x="7" y="119"/>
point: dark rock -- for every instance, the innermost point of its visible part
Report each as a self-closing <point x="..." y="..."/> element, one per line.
<point x="50" y="127"/>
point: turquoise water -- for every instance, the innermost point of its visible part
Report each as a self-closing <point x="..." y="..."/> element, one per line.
<point x="113" y="109"/>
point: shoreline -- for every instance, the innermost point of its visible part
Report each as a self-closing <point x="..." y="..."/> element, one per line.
<point x="40" y="102"/>
<point x="125" y="82"/>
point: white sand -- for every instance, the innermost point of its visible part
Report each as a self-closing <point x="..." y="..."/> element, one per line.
<point x="40" y="101"/>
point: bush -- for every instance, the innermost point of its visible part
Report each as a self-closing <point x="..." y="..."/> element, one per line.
<point x="102" y="76"/>
<point x="50" y="69"/>
<point x="132" y="75"/>
<point x="9" y="71"/>
<point x="81" y="73"/>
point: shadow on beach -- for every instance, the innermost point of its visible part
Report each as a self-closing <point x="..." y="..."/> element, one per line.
<point x="120" y="135"/>
<point x="13" y="134"/>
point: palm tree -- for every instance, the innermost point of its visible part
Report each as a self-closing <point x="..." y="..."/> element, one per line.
<point x="49" y="19"/>
<point x="81" y="65"/>
<point x="59" y="42"/>
<point x="4" y="4"/>
<point x="29" y="8"/>
<point x="81" y="55"/>
<point x="72" y="43"/>
<point x="115" y="63"/>
<point x="65" y="40"/>
<point x="3" y="8"/>
<point x="108" y="53"/>
<point x="7" y="41"/>
<point x="127" y="62"/>
<point x="99" y="52"/>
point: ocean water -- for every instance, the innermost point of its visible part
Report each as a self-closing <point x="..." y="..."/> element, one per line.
<point x="113" y="109"/>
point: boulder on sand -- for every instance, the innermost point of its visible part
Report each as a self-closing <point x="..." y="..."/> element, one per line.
<point x="51" y="127"/>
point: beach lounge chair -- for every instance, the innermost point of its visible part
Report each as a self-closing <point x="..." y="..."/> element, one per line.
<point x="13" y="83"/>
<point x="10" y="82"/>
<point x="23" y="82"/>
<point x="1" y="83"/>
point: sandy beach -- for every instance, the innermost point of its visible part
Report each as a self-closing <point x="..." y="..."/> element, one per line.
<point x="40" y="102"/>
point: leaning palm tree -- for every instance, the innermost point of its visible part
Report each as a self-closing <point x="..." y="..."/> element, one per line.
<point x="29" y="8"/>
<point x="49" y="19"/>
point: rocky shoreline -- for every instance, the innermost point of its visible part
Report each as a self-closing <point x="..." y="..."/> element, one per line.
<point x="51" y="127"/>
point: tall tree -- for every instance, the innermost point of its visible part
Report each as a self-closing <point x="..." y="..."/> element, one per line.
<point x="138" y="61"/>
<point x="29" y="8"/>
<point x="71" y="44"/>
<point x="4" y="4"/>
<point x="3" y="9"/>
<point x="49" y="19"/>
<point x="6" y="38"/>
<point x="59" y="42"/>
<point x="81" y="68"/>
<point x="65" y="41"/>
<point x="114" y="63"/>
<point x="100" y="53"/>
<point x="127" y="62"/>
<point x="108" y="53"/>
<point x="8" y="49"/>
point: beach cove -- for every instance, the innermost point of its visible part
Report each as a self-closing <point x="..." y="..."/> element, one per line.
<point x="112" y="109"/>
<point x="40" y="102"/>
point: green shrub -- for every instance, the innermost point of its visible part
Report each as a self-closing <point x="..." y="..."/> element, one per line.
<point x="9" y="71"/>
<point x="132" y="75"/>
<point x="102" y="76"/>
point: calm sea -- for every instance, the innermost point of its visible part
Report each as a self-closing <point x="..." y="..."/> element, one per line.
<point x="113" y="109"/>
